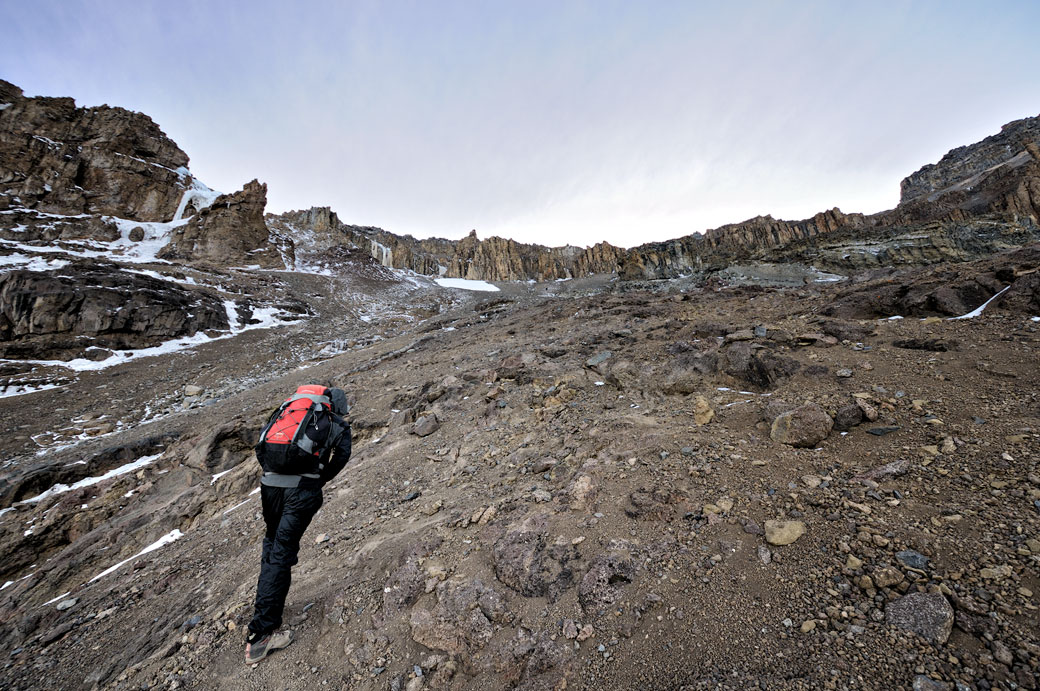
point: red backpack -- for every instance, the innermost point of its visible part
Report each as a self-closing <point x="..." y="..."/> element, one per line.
<point x="295" y="435"/>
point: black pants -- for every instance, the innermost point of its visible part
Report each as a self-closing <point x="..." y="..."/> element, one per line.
<point x="287" y="512"/>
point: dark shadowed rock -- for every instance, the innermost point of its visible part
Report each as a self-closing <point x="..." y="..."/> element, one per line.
<point x="49" y="314"/>
<point x="927" y="614"/>
<point x="847" y="417"/>
<point x="756" y="365"/>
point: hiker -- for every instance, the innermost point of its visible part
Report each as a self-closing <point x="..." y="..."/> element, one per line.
<point x="304" y="444"/>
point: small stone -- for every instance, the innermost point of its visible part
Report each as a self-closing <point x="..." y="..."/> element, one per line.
<point x="807" y="626"/>
<point x="66" y="604"/>
<point x="764" y="555"/>
<point x="803" y="427"/>
<point x="192" y="390"/>
<point x="812" y="481"/>
<point x="882" y="431"/>
<point x="783" y="532"/>
<point x="598" y="359"/>
<point x="586" y="633"/>
<point x="1002" y="653"/>
<point x="702" y="411"/>
<point x="844" y="373"/>
<point x="887" y="576"/>
<point x="541" y="496"/>
<point x="997" y="573"/>
<point x="853" y="562"/>
<point x="322" y="537"/>
<point x="923" y="683"/>
<point x="426" y="425"/>
<point x="570" y="629"/>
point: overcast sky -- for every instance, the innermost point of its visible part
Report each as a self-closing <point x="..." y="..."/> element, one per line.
<point x="552" y="122"/>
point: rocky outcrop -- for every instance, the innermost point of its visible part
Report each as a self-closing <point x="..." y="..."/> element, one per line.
<point x="57" y="158"/>
<point x="963" y="165"/>
<point x="231" y="232"/>
<point x="85" y="310"/>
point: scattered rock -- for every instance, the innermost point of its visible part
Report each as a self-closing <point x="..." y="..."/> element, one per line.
<point x="426" y="425"/>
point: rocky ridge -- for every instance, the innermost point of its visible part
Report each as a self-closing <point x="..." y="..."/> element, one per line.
<point x="990" y="187"/>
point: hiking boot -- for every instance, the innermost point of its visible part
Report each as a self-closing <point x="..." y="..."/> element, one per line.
<point x="263" y="646"/>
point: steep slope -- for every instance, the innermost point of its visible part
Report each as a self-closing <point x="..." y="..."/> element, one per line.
<point x="608" y="500"/>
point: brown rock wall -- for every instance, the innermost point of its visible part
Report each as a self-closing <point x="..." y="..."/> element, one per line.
<point x="61" y="159"/>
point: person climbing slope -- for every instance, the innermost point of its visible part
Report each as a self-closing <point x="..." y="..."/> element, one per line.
<point x="305" y="443"/>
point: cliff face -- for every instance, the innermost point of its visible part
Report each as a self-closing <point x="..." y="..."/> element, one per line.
<point x="978" y="199"/>
<point x="57" y="158"/>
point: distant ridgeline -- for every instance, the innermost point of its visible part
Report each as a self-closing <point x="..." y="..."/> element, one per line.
<point x="977" y="200"/>
<point x="98" y="169"/>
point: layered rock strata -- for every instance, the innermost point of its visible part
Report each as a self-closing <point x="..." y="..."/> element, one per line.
<point x="977" y="200"/>
<point x="85" y="310"/>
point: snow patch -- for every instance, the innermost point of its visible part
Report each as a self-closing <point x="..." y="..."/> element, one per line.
<point x="978" y="310"/>
<point x="466" y="284"/>
<point x="22" y="389"/>
<point x="17" y="261"/>
<point x="263" y="318"/>
<point x="88" y="481"/>
<point x="166" y="539"/>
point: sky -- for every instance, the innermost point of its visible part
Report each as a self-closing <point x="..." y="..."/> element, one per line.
<point x="553" y="122"/>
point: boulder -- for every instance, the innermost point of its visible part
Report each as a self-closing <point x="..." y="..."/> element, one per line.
<point x="803" y="427"/>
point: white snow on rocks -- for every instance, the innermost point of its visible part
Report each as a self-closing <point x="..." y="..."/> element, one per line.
<point x="198" y="195"/>
<point x="466" y="284"/>
<point x="88" y="481"/>
<point x="978" y="310"/>
<point x="17" y="260"/>
<point x="263" y="318"/>
<point x="166" y="539"/>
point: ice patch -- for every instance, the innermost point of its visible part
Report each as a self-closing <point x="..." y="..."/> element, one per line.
<point x="164" y="540"/>
<point x="217" y="476"/>
<point x="466" y="284"/>
<point x="198" y="195"/>
<point x="1034" y="319"/>
<point x="978" y="310"/>
<point x="88" y="481"/>
<point x="5" y="106"/>
<point x="892" y="319"/>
